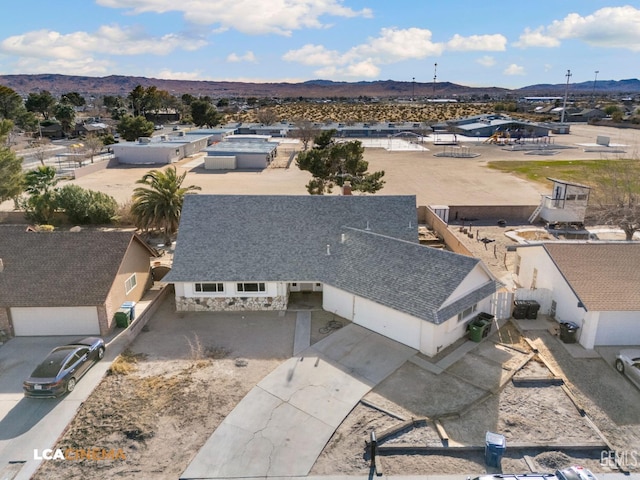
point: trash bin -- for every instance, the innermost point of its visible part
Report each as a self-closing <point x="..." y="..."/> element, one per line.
<point x="480" y="327"/>
<point x="132" y="307"/>
<point x="520" y="309"/>
<point x="568" y="332"/>
<point x="532" y="310"/>
<point x="495" y="445"/>
<point x="123" y="317"/>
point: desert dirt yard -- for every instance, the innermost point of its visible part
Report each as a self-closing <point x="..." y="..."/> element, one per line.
<point x="187" y="371"/>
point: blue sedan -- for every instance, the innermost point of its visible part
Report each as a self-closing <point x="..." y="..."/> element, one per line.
<point x="63" y="367"/>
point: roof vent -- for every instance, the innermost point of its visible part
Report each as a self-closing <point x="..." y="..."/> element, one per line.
<point x="368" y="228"/>
<point x="328" y="249"/>
<point x="1" y="265"/>
<point x="343" y="237"/>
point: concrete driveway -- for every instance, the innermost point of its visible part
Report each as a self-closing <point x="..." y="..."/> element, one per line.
<point x="34" y="423"/>
<point x="282" y="425"/>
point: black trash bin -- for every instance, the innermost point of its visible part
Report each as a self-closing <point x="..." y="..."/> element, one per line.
<point x="520" y="309"/>
<point x="532" y="310"/>
<point x="568" y="332"/>
<point x="495" y="445"/>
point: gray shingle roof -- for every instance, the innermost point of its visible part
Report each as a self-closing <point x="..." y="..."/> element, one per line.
<point x="285" y="238"/>
<point x="604" y="276"/>
<point x="405" y="276"/>
<point x="46" y="269"/>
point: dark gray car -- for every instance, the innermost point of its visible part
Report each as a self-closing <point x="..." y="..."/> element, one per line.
<point x="63" y="367"/>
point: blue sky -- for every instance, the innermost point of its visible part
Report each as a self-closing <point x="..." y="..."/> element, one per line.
<point x="489" y="43"/>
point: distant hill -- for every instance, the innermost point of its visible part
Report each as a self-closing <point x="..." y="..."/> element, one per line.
<point x="122" y="85"/>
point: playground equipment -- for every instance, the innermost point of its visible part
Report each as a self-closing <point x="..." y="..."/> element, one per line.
<point x="499" y="137"/>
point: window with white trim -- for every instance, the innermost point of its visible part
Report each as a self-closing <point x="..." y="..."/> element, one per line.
<point x="209" y="287"/>
<point x="251" y="287"/>
<point x="130" y="283"/>
<point x="467" y="312"/>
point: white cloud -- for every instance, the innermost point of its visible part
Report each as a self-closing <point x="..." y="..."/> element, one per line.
<point x="171" y="75"/>
<point x="256" y="17"/>
<point x="392" y="45"/>
<point x="486" y="61"/>
<point x="110" y="39"/>
<point x="514" y="69"/>
<point x="364" y="60"/>
<point x="536" y="38"/>
<point x="609" y="27"/>
<point x="313" y="55"/>
<point x="487" y="43"/>
<point x="82" y="66"/>
<point x="247" y="57"/>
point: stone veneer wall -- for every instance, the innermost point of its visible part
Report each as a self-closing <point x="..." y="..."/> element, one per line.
<point x="230" y="304"/>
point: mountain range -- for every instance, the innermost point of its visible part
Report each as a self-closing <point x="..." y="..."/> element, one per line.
<point x="122" y="85"/>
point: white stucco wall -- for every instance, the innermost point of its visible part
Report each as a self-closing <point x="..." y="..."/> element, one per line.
<point x="391" y="323"/>
<point x="474" y="280"/>
<point x="143" y="154"/>
<point x="338" y="302"/>
<point x="272" y="289"/>
<point x="618" y="328"/>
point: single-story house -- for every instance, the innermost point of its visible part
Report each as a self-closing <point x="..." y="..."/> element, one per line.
<point x="595" y="285"/>
<point x="68" y="283"/>
<point x="248" y="252"/>
<point x="251" y="153"/>
<point x="94" y="128"/>
<point x="163" y="149"/>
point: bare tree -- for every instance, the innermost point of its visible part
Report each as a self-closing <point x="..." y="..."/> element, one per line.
<point x="615" y="198"/>
<point x="93" y="144"/>
<point x="41" y="149"/>
<point x="267" y="116"/>
<point x="306" y="131"/>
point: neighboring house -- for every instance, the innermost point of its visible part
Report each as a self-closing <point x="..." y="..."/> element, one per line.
<point x="246" y="252"/>
<point x="595" y="285"/>
<point x="68" y="283"/>
<point x="163" y="149"/>
<point x="97" y="128"/>
<point x="247" y="152"/>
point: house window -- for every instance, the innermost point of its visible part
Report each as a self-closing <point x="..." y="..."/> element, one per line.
<point x="251" y="287"/>
<point x="294" y="284"/>
<point x="571" y="197"/>
<point x="130" y="283"/>
<point x="209" y="287"/>
<point x="467" y="312"/>
<point x="534" y="279"/>
<point x="582" y="196"/>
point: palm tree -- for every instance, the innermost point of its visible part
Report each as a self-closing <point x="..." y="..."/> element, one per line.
<point x="158" y="204"/>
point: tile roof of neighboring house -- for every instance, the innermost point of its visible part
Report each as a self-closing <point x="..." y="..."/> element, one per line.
<point x="300" y="239"/>
<point x="48" y="269"/>
<point x="604" y="276"/>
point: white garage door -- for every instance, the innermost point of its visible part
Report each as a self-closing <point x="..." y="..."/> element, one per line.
<point x="28" y="322"/>
<point x="619" y="328"/>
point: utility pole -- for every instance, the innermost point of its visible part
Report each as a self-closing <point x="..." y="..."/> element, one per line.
<point x="413" y="91"/>
<point x="435" y="69"/>
<point x="566" y="93"/>
<point x="593" y="94"/>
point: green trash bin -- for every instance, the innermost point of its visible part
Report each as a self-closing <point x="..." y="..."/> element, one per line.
<point x="123" y="317"/>
<point x="480" y="327"/>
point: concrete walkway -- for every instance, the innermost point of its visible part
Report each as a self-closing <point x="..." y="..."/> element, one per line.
<point x="282" y="425"/>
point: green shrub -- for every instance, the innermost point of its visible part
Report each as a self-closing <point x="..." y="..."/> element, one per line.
<point x="83" y="206"/>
